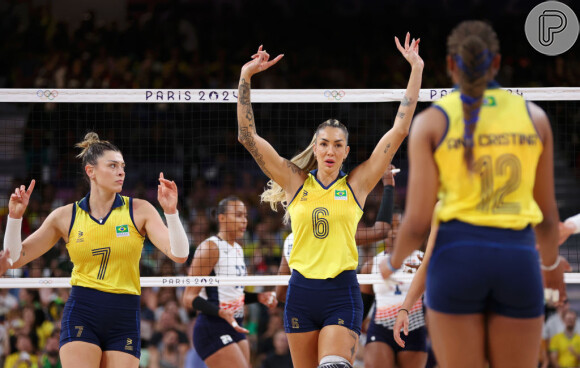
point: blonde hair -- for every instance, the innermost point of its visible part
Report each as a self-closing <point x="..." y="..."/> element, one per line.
<point x="306" y="161"/>
<point x="93" y="148"/>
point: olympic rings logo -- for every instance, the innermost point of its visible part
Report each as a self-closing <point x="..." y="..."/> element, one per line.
<point x="51" y="95"/>
<point x="334" y="95"/>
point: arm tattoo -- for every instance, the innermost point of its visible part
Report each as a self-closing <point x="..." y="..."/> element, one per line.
<point x="248" y="141"/>
<point x="244" y="92"/>
<point x="406" y="101"/>
<point x="401" y="115"/>
<point x="295" y="169"/>
<point x="355" y="337"/>
<point x="246" y="132"/>
<point x="387" y="147"/>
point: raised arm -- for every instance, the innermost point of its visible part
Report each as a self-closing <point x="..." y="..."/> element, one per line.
<point x="277" y="168"/>
<point x="39" y="242"/>
<point x="366" y="175"/>
<point x="422" y="186"/>
<point x="369" y="234"/>
<point x="171" y="239"/>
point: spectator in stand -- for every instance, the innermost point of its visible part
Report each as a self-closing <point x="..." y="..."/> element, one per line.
<point x="24" y="356"/>
<point x="565" y="346"/>
<point x="280" y="357"/>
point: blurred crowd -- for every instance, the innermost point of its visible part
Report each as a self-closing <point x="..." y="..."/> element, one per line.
<point x="202" y="44"/>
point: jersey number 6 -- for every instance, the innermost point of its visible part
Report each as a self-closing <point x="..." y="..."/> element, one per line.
<point x="320" y="223"/>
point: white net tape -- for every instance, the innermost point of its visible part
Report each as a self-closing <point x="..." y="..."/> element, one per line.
<point x="181" y="281"/>
<point x="258" y="95"/>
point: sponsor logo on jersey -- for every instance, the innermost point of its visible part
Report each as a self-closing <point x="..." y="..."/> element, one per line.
<point x="340" y="195"/>
<point x="80" y="237"/>
<point x="122" y="231"/>
<point x="129" y="345"/>
<point x="304" y="196"/>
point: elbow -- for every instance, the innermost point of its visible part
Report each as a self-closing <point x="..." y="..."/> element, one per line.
<point x="402" y="131"/>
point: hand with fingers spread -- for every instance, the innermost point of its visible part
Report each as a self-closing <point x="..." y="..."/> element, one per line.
<point x="411" y="51"/>
<point x="167" y="195"/>
<point x="19" y="200"/>
<point x="260" y="62"/>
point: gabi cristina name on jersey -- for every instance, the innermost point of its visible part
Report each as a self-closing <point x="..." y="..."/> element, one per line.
<point x="499" y="190"/>
<point x="324" y="222"/>
<point x="105" y="254"/>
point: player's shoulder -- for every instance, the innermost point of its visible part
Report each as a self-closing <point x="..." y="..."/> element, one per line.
<point x="61" y="216"/>
<point x="141" y="204"/>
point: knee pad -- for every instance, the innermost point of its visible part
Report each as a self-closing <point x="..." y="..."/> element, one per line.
<point x="334" y="361"/>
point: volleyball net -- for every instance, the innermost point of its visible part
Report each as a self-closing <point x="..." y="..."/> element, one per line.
<point x="191" y="136"/>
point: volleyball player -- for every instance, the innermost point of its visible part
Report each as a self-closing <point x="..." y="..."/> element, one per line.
<point x="488" y="156"/>
<point x="381" y="348"/>
<point x="104" y="234"/>
<point x="323" y="313"/>
<point x="364" y="234"/>
<point x="218" y="336"/>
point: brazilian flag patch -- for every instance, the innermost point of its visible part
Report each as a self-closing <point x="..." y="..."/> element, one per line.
<point x="340" y="195"/>
<point x="489" y="101"/>
<point x="122" y="230"/>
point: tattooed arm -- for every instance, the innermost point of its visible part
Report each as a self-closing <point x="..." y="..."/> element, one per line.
<point x="277" y="168"/>
<point x="364" y="177"/>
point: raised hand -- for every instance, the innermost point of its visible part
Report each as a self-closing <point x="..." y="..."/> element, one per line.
<point x="167" y="195"/>
<point x="411" y="51"/>
<point x="19" y="200"/>
<point x="260" y="62"/>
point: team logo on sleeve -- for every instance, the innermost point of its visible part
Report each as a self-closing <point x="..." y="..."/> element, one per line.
<point x="122" y="231"/>
<point x="340" y="195"/>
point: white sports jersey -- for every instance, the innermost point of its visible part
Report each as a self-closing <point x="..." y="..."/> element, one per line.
<point x="230" y="263"/>
<point x="288" y="242"/>
<point x="389" y="301"/>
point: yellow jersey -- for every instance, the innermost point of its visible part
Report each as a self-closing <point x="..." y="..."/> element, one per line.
<point x="561" y="344"/>
<point x="324" y="221"/>
<point x="499" y="190"/>
<point x="105" y="255"/>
